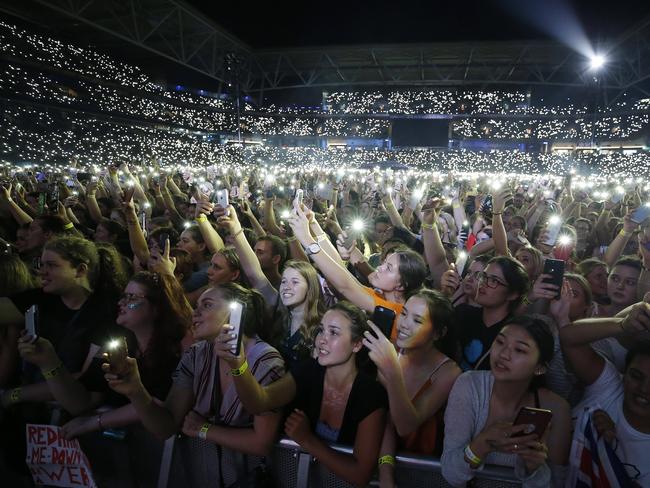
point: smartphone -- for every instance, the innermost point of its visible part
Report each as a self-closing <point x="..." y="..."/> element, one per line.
<point x="616" y="197"/>
<point x="461" y="261"/>
<point x="299" y="197"/>
<point x="143" y="221"/>
<point x="553" y="228"/>
<point x="222" y="199"/>
<point x="383" y="318"/>
<point x="128" y="193"/>
<point x="351" y="238"/>
<point x="268" y="193"/>
<point x="116" y="352"/>
<point x="163" y="241"/>
<point x="640" y="214"/>
<point x="31" y="322"/>
<point x="555" y="268"/>
<point x="237" y="311"/>
<point x="537" y="418"/>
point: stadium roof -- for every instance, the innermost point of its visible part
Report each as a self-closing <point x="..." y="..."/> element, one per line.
<point x="176" y="31"/>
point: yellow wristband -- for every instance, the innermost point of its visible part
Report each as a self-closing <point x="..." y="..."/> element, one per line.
<point x="52" y="373"/>
<point x="241" y="370"/>
<point x="203" y="432"/>
<point x="15" y="395"/>
<point x="68" y="226"/>
<point x="472" y="458"/>
<point x="201" y="218"/>
<point x="387" y="459"/>
<point x="428" y="226"/>
<point x="625" y="233"/>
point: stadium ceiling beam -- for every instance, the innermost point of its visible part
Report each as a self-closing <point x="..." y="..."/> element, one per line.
<point x="168" y="28"/>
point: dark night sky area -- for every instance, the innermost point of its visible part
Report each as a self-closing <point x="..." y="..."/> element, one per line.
<point x="279" y="24"/>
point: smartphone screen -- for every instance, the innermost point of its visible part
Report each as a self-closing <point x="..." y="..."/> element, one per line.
<point x="237" y="310"/>
<point x="31" y="321"/>
<point x="640" y="214"/>
<point x="383" y="318"/>
<point x="117" y="352"/>
<point x="555" y="268"/>
<point x="553" y="230"/>
<point x="537" y="418"/>
<point x="299" y="197"/>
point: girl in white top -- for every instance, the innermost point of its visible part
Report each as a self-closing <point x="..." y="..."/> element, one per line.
<point x="483" y="405"/>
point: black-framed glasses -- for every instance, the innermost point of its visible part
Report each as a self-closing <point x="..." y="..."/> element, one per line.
<point x="490" y="280"/>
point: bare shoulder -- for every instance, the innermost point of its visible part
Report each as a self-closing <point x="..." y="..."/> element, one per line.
<point x="553" y="402"/>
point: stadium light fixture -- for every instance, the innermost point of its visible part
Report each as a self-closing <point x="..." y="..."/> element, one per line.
<point x="597" y="61"/>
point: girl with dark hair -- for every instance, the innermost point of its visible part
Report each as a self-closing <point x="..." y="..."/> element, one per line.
<point x="484" y="404"/>
<point x="501" y="289"/>
<point x="400" y="275"/>
<point x="334" y="399"/>
<point x="418" y="379"/>
<point x="202" y="401"/>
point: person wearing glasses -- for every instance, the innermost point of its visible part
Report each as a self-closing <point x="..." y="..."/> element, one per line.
<point x="155" y="317"/>
<point x="501" y="288"/>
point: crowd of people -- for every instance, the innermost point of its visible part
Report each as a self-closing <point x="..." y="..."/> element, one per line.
<point x="36" y="136"/>
<point x="500" y="320"/>
<point x="48" y="71"/>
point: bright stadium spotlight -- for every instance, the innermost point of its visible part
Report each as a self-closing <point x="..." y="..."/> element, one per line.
<point x="597" y="61"/>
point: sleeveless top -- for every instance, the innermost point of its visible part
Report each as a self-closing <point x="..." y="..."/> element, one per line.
<point x="427" y="439"/>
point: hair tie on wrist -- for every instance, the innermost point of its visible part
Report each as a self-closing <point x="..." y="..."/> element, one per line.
<point x="387" y="459"/>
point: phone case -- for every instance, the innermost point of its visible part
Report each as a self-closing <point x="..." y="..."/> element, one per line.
<point x="554" y="267"/>
<point x="383" y="318"/>
<point x="538" y="417"/>
<point x="31" y="318"/>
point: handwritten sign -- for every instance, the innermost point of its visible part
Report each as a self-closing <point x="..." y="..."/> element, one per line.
<point x="55" y="461"/>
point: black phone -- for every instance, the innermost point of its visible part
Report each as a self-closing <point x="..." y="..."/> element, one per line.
<point x="555" y="268"/>
<point x="162" y="241"/>
<point x="237" y="314"/>
<point x="537" y="418"/>
<point x="383" y="318"/>
<point x="116" y="352"/>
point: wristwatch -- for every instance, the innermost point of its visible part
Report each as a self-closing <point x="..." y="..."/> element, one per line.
<point x="313" y="248"/>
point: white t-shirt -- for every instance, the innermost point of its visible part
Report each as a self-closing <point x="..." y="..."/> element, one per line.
<point x="612" y="350"/>
<point x="633" y="447"/>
